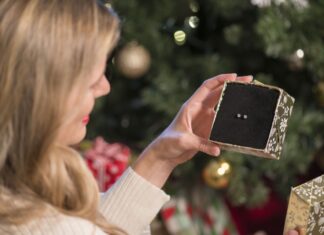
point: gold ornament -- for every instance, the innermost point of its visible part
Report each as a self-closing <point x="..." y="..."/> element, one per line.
<point x="133" y="61"/>
<point x="319" y="90"/>
<point x="217" y="174"/>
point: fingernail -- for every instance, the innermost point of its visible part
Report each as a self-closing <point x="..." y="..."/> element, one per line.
<point x="246" y="76"/>
<point x="216" y="152"/>
<point x="231" y="74"/>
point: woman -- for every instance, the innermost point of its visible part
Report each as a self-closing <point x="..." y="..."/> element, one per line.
<point x="52" y="63"/>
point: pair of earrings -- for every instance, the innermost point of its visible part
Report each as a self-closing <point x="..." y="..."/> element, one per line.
<point x="240" y="116"/>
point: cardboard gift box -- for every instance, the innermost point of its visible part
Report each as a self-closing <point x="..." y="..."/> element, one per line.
<point x="252" y="118"/>
<point x="306" y="207"/>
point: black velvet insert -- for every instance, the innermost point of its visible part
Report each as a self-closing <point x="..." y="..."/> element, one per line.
<point x="258" y="103"/>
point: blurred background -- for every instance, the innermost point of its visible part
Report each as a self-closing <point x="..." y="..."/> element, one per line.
<point x="167" y="48"/>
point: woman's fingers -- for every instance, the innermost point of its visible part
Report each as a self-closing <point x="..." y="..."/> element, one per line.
<point x="209" y="85"/>
<point x="209" y="92"/>
<point x="301" y="230"/>
<point x="292" y="232"/>
<point x="208" y="147"/>
<point x="214" y="82"/>
<point x="248" y="78"/>
<point x="212" y="99"/>
<point x="204" y="145"/>
<point x="298" y="231"/>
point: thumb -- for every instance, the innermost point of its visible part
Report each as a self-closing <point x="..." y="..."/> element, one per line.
<point x="292" y="232"/>
<point x="301" y="230"/>
<point x="205" y="146"/>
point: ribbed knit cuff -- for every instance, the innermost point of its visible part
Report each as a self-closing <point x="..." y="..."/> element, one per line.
<point x="132" y="202"/>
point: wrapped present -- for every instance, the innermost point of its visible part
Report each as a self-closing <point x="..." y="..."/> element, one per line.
<point x="182" y="217"/>
<point x="306" y="207"/>
<point x="177" y="217"/>
<point x="107" y="161"/>
<point x="252" y="118"/>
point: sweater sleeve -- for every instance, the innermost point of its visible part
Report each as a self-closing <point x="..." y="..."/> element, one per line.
<point x="132" y="202"/>
<point x="53" y="224"/>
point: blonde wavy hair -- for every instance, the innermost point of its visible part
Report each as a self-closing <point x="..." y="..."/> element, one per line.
<point x="47" y="48"/>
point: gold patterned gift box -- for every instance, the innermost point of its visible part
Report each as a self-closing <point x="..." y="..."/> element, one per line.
<point x="252" y="118"/>
<point x="306" y="207"/>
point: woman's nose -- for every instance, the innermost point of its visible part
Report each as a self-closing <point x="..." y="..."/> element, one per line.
<point x="103" y="87"/>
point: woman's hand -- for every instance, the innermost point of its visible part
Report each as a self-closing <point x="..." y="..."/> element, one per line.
<point x="298" y="231"/>
<point x="292" y="232"/>
<point x="187" y="134"/>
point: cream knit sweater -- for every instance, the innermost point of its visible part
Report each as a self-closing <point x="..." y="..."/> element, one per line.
<point x="131" y="204"/>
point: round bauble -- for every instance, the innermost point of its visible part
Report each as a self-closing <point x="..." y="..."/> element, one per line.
<point x="133" y="60"/>
<point x="217" y="174"/>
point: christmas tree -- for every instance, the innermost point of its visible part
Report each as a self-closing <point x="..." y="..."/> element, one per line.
<point x="167" y="48"/>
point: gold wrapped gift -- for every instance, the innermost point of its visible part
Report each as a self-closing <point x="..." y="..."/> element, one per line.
<point x="306" y="207"/>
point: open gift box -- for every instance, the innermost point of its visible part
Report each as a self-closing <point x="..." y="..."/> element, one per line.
<point x="252" y="118"/>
